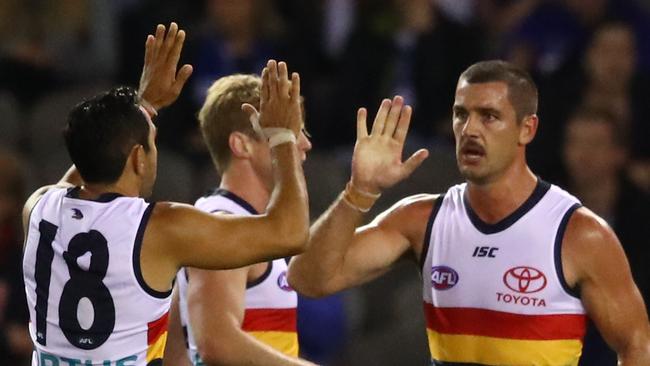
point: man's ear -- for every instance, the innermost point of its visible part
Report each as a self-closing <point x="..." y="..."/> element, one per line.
<point x="528" y="129"/>
<point x="240" y="145"/>
<point x="137" y="159"/>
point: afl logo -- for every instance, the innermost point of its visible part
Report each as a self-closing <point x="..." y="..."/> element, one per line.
<point x="283" y="283"/>
<point x="524" y="279"/>
<point x="443" y="277"/>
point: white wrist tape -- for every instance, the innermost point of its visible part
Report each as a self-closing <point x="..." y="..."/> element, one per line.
<point x="274" y="135"/>
<point x="279" y="136"/>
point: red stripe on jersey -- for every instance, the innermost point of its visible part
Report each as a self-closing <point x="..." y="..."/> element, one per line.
<point x="270" y="320"/>
<point x="490" y="323"/>
<point x="157" y="328"/>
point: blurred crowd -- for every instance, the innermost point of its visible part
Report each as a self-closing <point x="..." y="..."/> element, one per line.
<point x="590" y="59"/>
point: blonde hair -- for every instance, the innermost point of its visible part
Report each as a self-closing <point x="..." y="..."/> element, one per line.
<point x="221" y="114"/>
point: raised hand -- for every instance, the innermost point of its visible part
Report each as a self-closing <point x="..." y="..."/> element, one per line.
<point x="279" y="99"/>
<point x="160" y="83"/>
<point x="377" y="159"/>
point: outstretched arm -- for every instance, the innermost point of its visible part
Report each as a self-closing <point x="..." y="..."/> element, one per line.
<point x="595" y="262"/>
<point x="339" y="257"/>
<point x="216" y="303"/>
<point x="180" y="235"/>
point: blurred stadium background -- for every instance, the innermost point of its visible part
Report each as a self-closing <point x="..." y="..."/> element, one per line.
<point x="591" y="55"/>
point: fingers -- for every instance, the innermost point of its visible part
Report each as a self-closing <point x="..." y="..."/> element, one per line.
<point x="177" y="47"/>
<point x="265" y="92"/>
<point x="393" y="116"/>
<point x="148" y="48"/>
<point x="414" y="161"/>
<point x="159" y="37"/>
<point x="362" y="128"/>
<point x="170" y="38"/>
<point x="380" y="119"/>
<point x="272" y="78"/>
<point x="403" y="125"/>
<point x="181" y="78"/>
<point x="283" y="79"/>
<point x="295" y="87"/>
<point x="253" y="117"/>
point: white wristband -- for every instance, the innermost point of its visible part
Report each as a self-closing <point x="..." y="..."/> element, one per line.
<point x="282" y="136"/>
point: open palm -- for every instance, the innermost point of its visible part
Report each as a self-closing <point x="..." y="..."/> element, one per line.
<point x="377" y="160"/>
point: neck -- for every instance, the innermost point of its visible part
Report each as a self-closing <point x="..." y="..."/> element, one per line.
<point x="247" y="185"/>
<point x="94" y="190"/>
<point x="495" y="200"/>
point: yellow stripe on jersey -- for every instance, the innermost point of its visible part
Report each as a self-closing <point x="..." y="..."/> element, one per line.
<point x="157" y="349"/>
<point x="285" y="342"/>
<point x="499" y="351"/>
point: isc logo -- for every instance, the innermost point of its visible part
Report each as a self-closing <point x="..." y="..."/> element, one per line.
<point x="443" y="277"/>
<point x="481" y="252"/>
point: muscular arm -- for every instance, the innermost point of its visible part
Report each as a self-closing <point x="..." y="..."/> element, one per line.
<point x="179" y="235"/>
<point x="341" y="255"/>
<point x="216" y="307"/>
<point x="595" y="262"/>
<point x="175" y="351"/>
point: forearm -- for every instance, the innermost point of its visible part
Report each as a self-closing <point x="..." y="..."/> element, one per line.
<point x="237" y="347"/>
<point x="638" y="353"/>
<point x="313" y="273"/>
<point x="288" y="207"/>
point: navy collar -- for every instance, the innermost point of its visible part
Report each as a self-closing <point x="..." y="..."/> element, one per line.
<point x="103" y="198"/>
<point x="540" y="190"/>
<point x="235" y="198"/>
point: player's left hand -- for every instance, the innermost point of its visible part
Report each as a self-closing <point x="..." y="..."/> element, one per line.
<point x="160" y="83"/>
<point x="377" y="159"/>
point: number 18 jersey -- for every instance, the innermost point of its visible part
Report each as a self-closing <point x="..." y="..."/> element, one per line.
<point x="88" y="302"/>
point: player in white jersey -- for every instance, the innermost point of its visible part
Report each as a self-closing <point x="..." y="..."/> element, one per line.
<point x="511" y="264"/>
<point x="245" y="315"/>
<point x="99" y="260"/>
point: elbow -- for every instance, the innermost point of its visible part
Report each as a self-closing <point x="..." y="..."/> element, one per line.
<point x="215" y="353"/>
<point x="304" y="287"/>
<point x="293" y="234"/>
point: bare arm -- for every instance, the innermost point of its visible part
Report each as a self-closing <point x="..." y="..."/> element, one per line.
<point x="216" y="308"/>
<point x="175" y="351"/>
<point x="180" y="235"/>
<point x="340" y="257"/>
<point x="595" y="262"/>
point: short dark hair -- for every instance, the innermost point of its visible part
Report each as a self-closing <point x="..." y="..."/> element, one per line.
<point x="101" y="132"/>
<point x="522" y="92"/>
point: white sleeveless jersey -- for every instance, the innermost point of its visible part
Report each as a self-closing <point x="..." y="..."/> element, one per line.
<point x="495" y="294"/>
<point x="88" y="303"/>
<point x="270" y="314"/>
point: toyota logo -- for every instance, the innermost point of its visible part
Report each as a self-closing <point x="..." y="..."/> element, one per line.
<point x="524" y="279"/>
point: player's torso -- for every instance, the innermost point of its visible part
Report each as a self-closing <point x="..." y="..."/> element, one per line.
<point x="495" y="294"/>
<point x="87" y="300"/>
<point x="270" y="313"/>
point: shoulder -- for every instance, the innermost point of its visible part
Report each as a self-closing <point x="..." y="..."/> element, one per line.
<point x="35" y="198"/>
<point x="586" y="230"/>
<point x="589" y="246"/>
<point x="412" y="208"/>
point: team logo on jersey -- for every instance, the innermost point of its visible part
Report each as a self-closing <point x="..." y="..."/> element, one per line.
<point x="443" y="277"/>
<point x="525" y="280"/>
<point x="77" y="214"/>
<point x="283" y="283"/>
